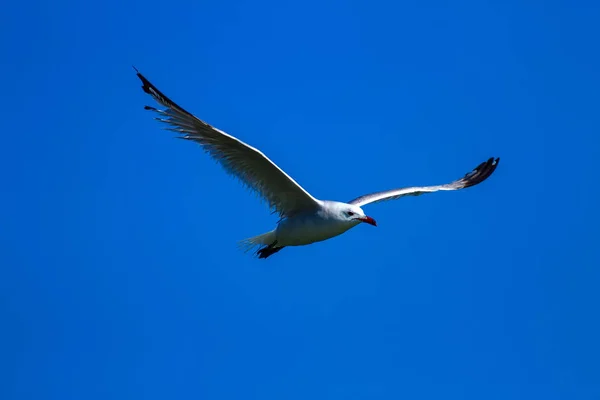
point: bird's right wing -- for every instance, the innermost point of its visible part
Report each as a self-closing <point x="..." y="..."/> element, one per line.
<point x="248" y="164"/>
<point x="478" y="175"/>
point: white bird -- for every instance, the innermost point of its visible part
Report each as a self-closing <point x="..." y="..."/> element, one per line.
<point x="304" y="219"/>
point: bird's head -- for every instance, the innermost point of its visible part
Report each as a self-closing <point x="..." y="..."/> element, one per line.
<point x="356" y="214"/>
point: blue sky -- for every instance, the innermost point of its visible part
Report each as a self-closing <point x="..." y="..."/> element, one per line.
<point x="119" y="272"/>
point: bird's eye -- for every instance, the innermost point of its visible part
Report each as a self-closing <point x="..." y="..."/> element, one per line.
<point x="350" y="213"/>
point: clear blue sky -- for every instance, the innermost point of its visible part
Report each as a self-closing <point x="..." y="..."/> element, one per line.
<point x="119" y="272"/>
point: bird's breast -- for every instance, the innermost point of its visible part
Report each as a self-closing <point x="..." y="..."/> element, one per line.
<point x="302" y="230"/>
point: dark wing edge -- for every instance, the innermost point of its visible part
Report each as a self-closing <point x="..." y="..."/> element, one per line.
<point x="478" y="175"/>
<point x="157" y="95"/>
<point x="475" y="177"/>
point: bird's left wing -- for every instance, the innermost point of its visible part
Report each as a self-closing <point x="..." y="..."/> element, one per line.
<point x="248" y="164"/>
<point x="478" y="175"/>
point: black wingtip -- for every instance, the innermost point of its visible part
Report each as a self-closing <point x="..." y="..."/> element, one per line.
<point x="153" y="91"/>
<point x="481" y="173"/>
<point x="146" y="85"/>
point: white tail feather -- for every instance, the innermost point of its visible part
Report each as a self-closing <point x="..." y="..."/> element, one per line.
<point x="255" y="241"/>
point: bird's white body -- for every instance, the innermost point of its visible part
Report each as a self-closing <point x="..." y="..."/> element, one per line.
<point x="312" y="227"/>
<point x="304" y="218"/>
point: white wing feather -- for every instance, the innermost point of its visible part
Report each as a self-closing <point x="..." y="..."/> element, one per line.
<point x="248" y="164"/>
<point x="478" y="175"/>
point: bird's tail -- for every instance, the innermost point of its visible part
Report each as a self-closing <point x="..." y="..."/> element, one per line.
<point x="261" y="240"/>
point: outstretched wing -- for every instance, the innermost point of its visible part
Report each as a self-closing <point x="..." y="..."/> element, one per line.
<point x="248" y="164"/>
<point x="478" y="175"/>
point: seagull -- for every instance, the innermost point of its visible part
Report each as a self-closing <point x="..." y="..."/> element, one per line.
<point x="304" y="219"/>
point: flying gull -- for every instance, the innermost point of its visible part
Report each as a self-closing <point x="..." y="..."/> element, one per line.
<point x="304" y="219"/>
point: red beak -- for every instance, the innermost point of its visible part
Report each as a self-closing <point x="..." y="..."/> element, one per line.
<point x="368" y="220"/>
